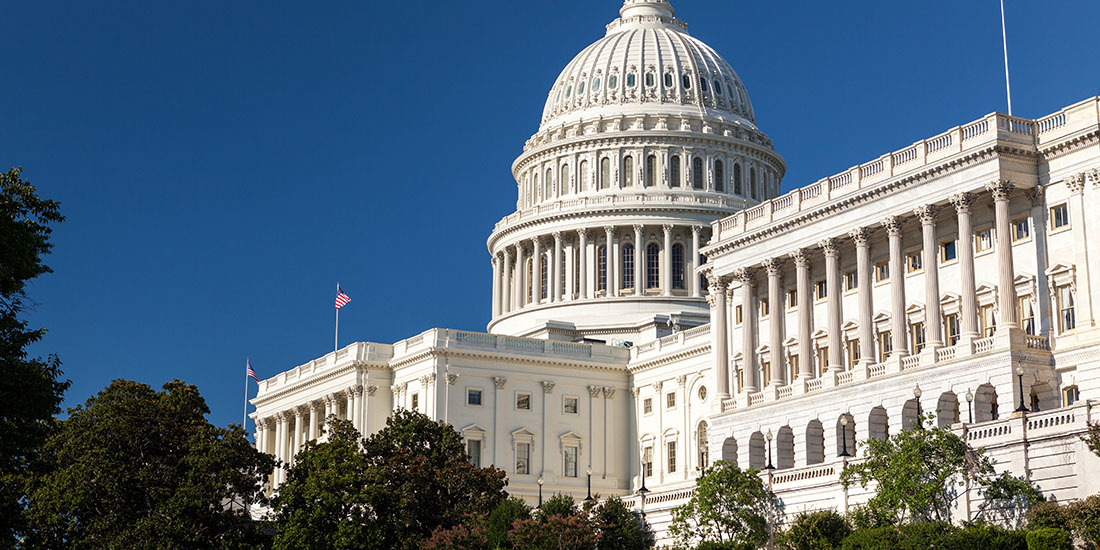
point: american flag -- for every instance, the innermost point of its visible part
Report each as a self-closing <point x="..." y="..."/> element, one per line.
<point x="341" y="298"/>
<point x="249" y="372"/>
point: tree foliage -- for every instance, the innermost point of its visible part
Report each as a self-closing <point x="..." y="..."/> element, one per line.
<point x="729" y="505"/>
<point x="1008" y="499"/>
<point x="392" y="490"/>
<point x="501" y="519"/>
<point x="139" y="468"/>
<point x="30" y="388"/>
<point x="821" y="530"/>
<point x="619" y="527"/>
<point x="554" y="532"/>
<point x="1092" y="437"/>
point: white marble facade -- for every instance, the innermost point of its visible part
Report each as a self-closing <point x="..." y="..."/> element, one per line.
<point x="657" y="304"/>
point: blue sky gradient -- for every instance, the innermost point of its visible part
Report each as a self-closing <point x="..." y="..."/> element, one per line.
<point x="223" y="164"/>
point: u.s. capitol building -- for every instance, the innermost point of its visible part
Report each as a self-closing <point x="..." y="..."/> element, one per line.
<point x="657" y="304"/>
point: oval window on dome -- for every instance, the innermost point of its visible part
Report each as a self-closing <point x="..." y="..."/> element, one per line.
<point x="568" y="92"/>
<point x="718" y="87"/>
<point x="687" y="82"/>
<point x="668" y="80"/>
<point x="596" y="84"/>
<point x="702" y="85"/>
<point x="630" y="80"/>
<point x="649" y="80"/>
<point x="613" y="81"/>
<point x="580" y="88"/>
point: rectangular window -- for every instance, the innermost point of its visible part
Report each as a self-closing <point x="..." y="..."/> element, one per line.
<point x="1021" y="229"/>
<point x="916" y="337"/>
<point x="737" y="315"/>
<point x="647" y="461"/>
<point x="1059" y="216"/>
<point x="523" y="458"/>
<point x="671" y="457"/>
<point x="647" y="405"/>
<point x="473" y="397"/>
<point x="792" y="299"/>
<point x="986" y="320"/>
<point x="601" y="268"/>
<point x="523" y="401"/>
<point x="628" y="266"/>
<point x="983" y="240"/>
<point x="794" y="366"/>
<point x="1025" y="314"/>
<point x="853" y="353"/>
<point x="1066" y="318"/>
<point x="821" y="290"/>
<point x="569" y="405"/>
<point x="885" y="346"/>
<point x="882" y="270"/>
<point x="416" y="401"/>
<point x="1070" y="396"/>
<point x="740" y="378"/>
<point x="948" y="252"/>
<point x="473" y="448"/>
<point x="570" y="459"/>
<point x="822" y="359"/>
<point x="765" y="308"/>
<point x="851" y="280"/>
<point x="766" y="368"/>
<point x="670" y="400"/>
<point x="951" y="328"/>
<point x="914" y="261"/>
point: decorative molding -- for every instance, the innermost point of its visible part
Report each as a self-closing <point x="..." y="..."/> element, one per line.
<point x="608" y="392"/>
<point x="1075" y="183"/>
<point x="926" y="214"/>
<point x="773" y="266"/>
<point x="962" y="202"/>
<point x="371" y="389"/>
<point x="743" y="275"/>
<point x="892" y="225"/>
<point x="594" y="391"/>
<point x="499" y="382"/>
<point x="1000" y="189"/>
<point x="682" y="380"/>
<point x="547" y="386"/>
<point x="861" y="236"/>
<point x="830" y="246"/>
<point x="801" y="259"/>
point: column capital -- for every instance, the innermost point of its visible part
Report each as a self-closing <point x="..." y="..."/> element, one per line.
<point x="801" y="259"/>
<point x="359" y="391"/>
<point x="506" y="253"/>
<point x="396" y="389"/>
<point x="499" y="382"/>
<point x="962" y="202"/>
<point x="557" y="237"/>
<point x="1094" y="177"/>
<point x="638" y="228"/>
<point x="594" y="391"/>
<point x="635" y="391"/>
<point x="1000" y="189"/>
<point x="830" y="246"/>
<point x="658" y="386"/>
<point x="1075" y="183"/>
<point x="744" y="275"/>
<point x="547" y="386"/>
<point x="697" y="229"/>
<point x="861" y="236"/>
<point x="773" y="266"/>
<point x="926" y="214"/>
<point x="371" y="389"/>
<point x="667" y="227"/>
<point x="583" y="232"/>
<point x="451" y="378"/>
<point x="892" y="225"/>
<point x="682" y="380"/>
<point x="608" y="392"/>
<point x="1036" y="195"/>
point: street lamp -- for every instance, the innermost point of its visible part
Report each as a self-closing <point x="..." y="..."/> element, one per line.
<point x="642" y="491"/>
<point x="540" y="492"/>
<point x="589" y="472"/>
<point x="844" y="437"/>
<point x="969" y="406"/>
<point x="920" y="413"/>
<point x="769" y="438"/>
<point x="1022" y="407"/>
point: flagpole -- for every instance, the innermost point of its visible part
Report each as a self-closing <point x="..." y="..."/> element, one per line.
<point x="1004" y="42"/>
<point x="336" y="339"/>
<point x="244" y="415"/>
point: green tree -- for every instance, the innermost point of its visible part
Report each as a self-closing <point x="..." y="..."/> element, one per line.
<point x="501" y="519"/>
<point x="30" y="388"/>
<point x="139" y="468"/>
<point x="554" y="532"/>
<point x="729" y="505"/>
<point x="620" y="528"/>
<point x="821" y="530"/>
<point x="1092" y="438"/>
<point x="393" y="490"/>
<point x="1008" y="499"/>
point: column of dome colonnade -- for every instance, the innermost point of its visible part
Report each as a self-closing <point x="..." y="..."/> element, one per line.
<point x="736" y="329"/>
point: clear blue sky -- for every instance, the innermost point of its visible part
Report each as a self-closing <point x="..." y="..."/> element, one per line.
<point x="223" y="164"/>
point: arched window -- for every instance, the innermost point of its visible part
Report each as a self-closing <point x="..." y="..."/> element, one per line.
<point x="650" y="170"/>
<point x="535" y="186"/>
<point x="583" y="177"/>
<point x="543" y="271"/>
<point x="628" y="265"/>
<point x="605" y="173"/>
<point x="815" y="443"/>
<point x="719" y="176"/>
<point x="596" y="84"/>
<point x="613" y="81"/>
<point x="563" y="179"/>
<point x="717" y="87"/>
<point x="576" y="270"/>
<point x="580" y="88"/>
<point x="674" y="171"/>
<point x="601" y="268"/>
<point x="628" y="171"/>
<point x="702" y="85"/>
<point x="702" y="444"/>
<point x="752" y="182"/>
<point x="677" y="266"/>
<point x="697" y="173"/>
<point x="784" y="448"/>
<point x="687" y="82"/>
<point x="548" y="185"/>
<point x="878" y="424"/>
<point x="668" y="80"/>
<point x="649" y="79"/>
<point x="846" y="435"/>
<point x="530" y="271"/>
<point x="737" y="179"/>
<point x="757" y="451"/>
<point x="947" y="410"/>
<point x="630" y="80"/>
<point x="652" y="266"/>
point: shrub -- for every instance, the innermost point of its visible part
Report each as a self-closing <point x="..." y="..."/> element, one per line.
<point x="867" y="517"/>
<point x="458" y="537"/>
<point x="823" y="530"/>
<point x="984" y="535"/>
<point x="559" y="505"/>
<point x="1049" y="539"/>
<point x="728" y="545"/>
<point x="1084" y="517"/>
<point x="875" y="538"/>
<point x="924" y="535"/>
<point x="1048" y="515"/>
<point x="501" y="519"/>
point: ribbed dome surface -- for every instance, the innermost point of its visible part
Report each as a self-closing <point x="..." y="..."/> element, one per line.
<point x="647" y="61"/>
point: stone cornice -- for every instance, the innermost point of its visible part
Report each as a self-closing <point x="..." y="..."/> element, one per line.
<point x="318" y="380"/>
<point x="511" y="359"/>
<point x="703" y="348"/>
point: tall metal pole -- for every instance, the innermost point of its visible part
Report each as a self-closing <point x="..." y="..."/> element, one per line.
<point x="336" y="338"/>
<point x="1004" y="42"/>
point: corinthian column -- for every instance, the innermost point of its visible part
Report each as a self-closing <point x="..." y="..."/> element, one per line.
<point x="612" y="262"/>
<point x="717" y="301"/>
<point x="832" y="286"/>
<point x="775" y="324"/>
<point x="536" y="271"/>
<point x="521" y="277"/>
<point x="805" y="315"/>
<point x="1005" y="269"/>
<point x="694" y="263"/>
<point x="969" y="305"/>
<point x="583" y="255"/>
<point x="506" y="284"/>
<point x="555" y="295"/>
<point x="897" y="288"/>
<point x="639" y="263"/>
<point x="748" y="328"/>
<point x="665" y="272"/>
<point x="933" y="326"/>
<point x="862" y="238"/>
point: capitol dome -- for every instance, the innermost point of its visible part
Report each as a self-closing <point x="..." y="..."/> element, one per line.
<point x="647" y="60"/>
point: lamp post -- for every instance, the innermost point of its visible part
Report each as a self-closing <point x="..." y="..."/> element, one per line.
<point x="920" y="413"/>
<point x="969" y="406"/>
<point x="589" y="473"/>
<point x="1022" y="407"/>
<point x="642" y="491"/>
<point x="844" y="437"/>
<point x="540" y="492"/>
<point x="769" y="438"/>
